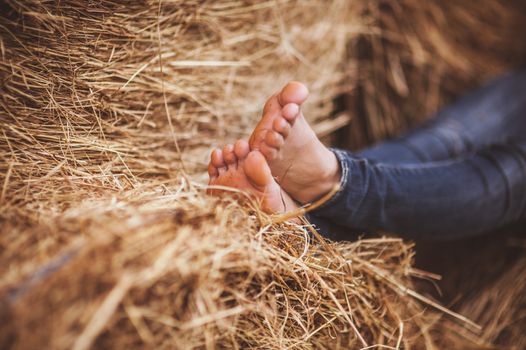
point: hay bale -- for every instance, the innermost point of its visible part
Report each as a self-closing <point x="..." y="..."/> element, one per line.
<point x="108" y="111"/>
<point x="489" y="287"/>
<point x="418" y="56"/>
<point x="181" y="270"/>
<point x="500" y="307"/>
<point x="114" y="94"/>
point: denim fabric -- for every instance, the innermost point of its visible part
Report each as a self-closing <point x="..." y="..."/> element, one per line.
<point x="462" y="173"/>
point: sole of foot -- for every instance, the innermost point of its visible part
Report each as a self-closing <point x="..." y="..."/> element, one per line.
<point x="300" y="163"/>
<point x="236" y="166"/>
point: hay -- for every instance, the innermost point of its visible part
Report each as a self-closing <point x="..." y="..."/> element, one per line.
<point x="500" y="307"/>
<point x="113" y="94"/>
<point x="419" y="56"/>
<point x="108" y="112"/>
<point x="488" y="286"/>
<point x="179" y="270"/>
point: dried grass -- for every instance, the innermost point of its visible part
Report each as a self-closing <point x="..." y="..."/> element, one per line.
<point x="181" y="270"/>
<point x="422" y="55"/>
<point x="500" y="306"/>
<point x="113" y="94"/>
<point x="108" y="111"/>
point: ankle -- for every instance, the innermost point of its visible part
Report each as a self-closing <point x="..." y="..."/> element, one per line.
<point x="330" y="175"/>
<point x="324" y="181"/>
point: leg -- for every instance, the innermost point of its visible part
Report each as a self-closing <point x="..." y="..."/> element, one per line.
<point x="303" y="166"/>
<point x="445" y="199"/>
<point x="492" y="114"/>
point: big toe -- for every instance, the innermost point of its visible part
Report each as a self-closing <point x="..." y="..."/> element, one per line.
<point x="293" y="92"/>
<point x="257" y="170"/>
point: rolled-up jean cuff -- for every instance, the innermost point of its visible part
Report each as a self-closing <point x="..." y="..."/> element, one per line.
<point x="343" y="160"/>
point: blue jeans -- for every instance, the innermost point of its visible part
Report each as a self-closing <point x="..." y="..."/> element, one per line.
<point x="463" y="173"/>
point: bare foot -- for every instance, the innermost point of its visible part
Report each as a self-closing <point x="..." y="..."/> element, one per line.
<point x="301" y="164"/>
<point x="238" y="167"/>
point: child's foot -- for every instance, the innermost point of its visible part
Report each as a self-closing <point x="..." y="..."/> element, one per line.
<point x="238" y="167"/>
<point x="301" y="164"/>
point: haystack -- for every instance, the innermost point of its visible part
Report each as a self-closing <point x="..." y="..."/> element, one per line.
<point x="108" y="112"/>
<point x="421" y="55"/>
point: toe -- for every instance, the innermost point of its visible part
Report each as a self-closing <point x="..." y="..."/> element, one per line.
<point x="217" y="159"/>
<point x="271" y="104"/>
<point x="293" y="92"/>
<point x="241" y="149"/>
<point x="290" y="112"/>
<point x="268" y="151"/>
<point x="212" y="172"/>
<point x="274" y="139"/>
<point x="257" y="138"/>
<point x="257" y="170"/>
<point x="229" y="155"/>
<point x="281" y="126"/>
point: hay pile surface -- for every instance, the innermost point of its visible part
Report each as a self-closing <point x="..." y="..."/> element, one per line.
<point x="108" y="111"/>
<point x="417" y="56"/>
<point x="182" y="271"/>
<point x="113" y="94"/>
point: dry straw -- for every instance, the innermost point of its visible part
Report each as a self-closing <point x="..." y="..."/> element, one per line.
<point x="113" y="94"/>
<point x="179" y="270"/>
<point x="420" y="55"/>
<point x="108" y="111"/>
